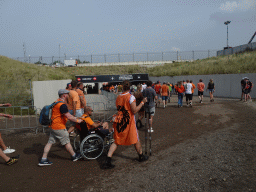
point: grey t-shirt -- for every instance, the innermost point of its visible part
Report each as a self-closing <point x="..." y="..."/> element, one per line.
<point x="150" y="93"/>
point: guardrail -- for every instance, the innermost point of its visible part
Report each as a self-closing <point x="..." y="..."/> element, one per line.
<point x="24" y="117"/>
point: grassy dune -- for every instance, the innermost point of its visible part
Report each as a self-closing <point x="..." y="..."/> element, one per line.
<point x="15" y="75"/>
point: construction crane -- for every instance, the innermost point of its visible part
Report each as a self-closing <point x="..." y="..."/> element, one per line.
<point x="252" y="38"/>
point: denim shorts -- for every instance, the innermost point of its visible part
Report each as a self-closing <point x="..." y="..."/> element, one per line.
<point x="211" y="90"/>
<point x="164" y="98"/>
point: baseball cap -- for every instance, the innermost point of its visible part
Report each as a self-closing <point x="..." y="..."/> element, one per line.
<point x="164" y="82"/>
<point x="69" y="85"/>
<point x="63" y="91"/>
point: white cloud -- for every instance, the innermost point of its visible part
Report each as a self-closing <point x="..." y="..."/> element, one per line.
<point x="235" y="6"/>
<point x="229" y="6"/>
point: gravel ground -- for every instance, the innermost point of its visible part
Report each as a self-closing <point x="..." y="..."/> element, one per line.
<point x="223" y="160"/>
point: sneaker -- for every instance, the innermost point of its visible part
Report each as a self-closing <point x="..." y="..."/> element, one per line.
<point x="12" y="160"/>
<point x="200" y="101"/>
<point x="8" y="150"/>
<point x="150" y="130"/>
<point x="143" y="158"/>
<point x="108" y="164"/>
<point x="45" y="162"/>
<point x="77" y="157"/>
<point x="72" y="134"/>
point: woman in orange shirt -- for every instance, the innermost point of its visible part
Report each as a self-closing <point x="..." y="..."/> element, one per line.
<point x="125" y="131"/>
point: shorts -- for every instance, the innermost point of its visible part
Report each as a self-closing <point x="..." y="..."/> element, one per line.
<point x="62" y="135"/>
<point x="158" y="96"/>
<point x="200" y="93"/>
<point x="246" y="91"/>
<point x="164" y="98"/>
<point x="189" y="97"/>
<point x="211" y="90"/>
<point x="150" y="110"/>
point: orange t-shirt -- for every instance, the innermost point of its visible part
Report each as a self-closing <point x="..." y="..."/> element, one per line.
<point x="200" y="86"/>
<point x="88" y="121"/>
<point x="157" y="88"/>
<point x="58" y="120"/>
<point x="80" y="93"/>
<point x="125" y="130"/>
<point x="165" y="90"/>
<point x="73" y="96"/>
<point x="180" y="89"/>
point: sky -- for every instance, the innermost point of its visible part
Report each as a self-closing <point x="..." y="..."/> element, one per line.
<point x="83" y="27"/>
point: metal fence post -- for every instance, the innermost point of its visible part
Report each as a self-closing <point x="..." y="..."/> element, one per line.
<point x="119" y="57"/>
<point x="30" y="86"/>
<point x="162" y="56"/>
<point x="105" y="58"/>
<point x="133" y="57"/>
<point x="147" y="56"/>
<point x="177" y="56"/>
<point x="208" y="53"/>
<point x="91" y="58"/>
<point x="52" y="59"/>
<point x="193" y="55"/>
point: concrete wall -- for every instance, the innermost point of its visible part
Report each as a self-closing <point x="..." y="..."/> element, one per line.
<point x="46" y="92"/>
<point x="236" y="49"/>
<point x="226" y="85"/>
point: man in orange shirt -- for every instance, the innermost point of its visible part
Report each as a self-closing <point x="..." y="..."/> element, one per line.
<point x="58" y="130"/>
<point x="74" y="103"/>
<point x="200" y="87"/>
<point x="80" y="92"/>
<point x="158" y="92"/>
<point x="102" y="127"/>
<point x="164" y="92"/>
<point x="180" y="89"/>
<point x="193" y="88"/>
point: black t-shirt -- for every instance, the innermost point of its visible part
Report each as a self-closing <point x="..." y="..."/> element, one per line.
<point x="243" y="83"/>
<point x="63" y="109"/>
<point x="210" y="85"/>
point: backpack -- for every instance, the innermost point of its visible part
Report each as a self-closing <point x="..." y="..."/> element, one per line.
<point x="46" y="114"/>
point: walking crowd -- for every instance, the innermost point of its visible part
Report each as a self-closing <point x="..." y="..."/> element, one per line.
<point x="141" y="99"/>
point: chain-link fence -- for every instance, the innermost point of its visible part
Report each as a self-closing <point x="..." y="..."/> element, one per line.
<point x="131" y="57"/>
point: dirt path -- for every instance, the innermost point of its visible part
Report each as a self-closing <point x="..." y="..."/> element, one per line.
<point x="210" y="147"/>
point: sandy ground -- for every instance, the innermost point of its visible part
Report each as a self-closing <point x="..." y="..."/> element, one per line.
<point x="209" y="147"/>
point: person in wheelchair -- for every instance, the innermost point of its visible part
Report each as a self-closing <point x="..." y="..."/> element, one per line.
<point x="89" y="125"/>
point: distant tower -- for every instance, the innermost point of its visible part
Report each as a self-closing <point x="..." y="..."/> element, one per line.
<point x="24" y="50"/>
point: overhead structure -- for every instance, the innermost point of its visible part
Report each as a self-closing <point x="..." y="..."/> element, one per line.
<point x="134" y="78"/>
<point x="252" y="38"/>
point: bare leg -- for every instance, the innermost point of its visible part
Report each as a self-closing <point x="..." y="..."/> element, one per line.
<point x="5" y="157"/>
<point x="112" y="149"/>
<point x="69" y="148"/>
<point x="46" y="150"/>
<point x="138" y="147"/>
<point x="2" y="143"/>
<point x="71" y="129"/>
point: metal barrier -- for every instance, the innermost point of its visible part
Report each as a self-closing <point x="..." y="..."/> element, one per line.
<point x="27" y="117"/>
<point x="24" y="117"/>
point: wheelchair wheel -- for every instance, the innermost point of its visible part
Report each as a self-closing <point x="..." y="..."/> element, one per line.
<point x="92" y="146"/>
<point x="77" y="143"/>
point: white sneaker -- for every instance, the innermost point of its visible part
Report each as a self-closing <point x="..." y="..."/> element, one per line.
<point x="8" y="150"/>
<point x="151" y="130"/>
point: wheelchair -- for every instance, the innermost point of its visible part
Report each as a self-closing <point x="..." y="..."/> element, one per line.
<point x="93" y="143"/>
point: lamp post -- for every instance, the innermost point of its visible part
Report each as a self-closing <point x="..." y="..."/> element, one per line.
<point x="226" y="23"/>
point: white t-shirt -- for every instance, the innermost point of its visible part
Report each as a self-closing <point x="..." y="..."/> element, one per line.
<point x="188" y="87"/>
<point x="144" y="86"/>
